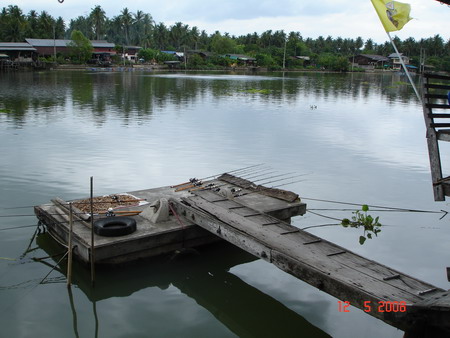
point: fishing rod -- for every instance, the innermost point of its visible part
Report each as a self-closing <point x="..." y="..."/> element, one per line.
<point x="198" y="183"/>
<point x="216" y="187"/>
<point x="267" y="178"/>
<point x="192" y="180"/>
<point x="247" y="178"/>
<point x="283" y="179"/>
<point x="252" y="177"/>
<point x="252" y="172"/>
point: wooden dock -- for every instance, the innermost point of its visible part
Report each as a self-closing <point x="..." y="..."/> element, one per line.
<point x="335" y="270"/>
<point x="152" y="239"/>
<point x="436" y="105"/>
<point x="257" y="219"/>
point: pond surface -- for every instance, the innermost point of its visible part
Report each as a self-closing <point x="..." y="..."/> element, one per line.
<point x="358" y="138"/>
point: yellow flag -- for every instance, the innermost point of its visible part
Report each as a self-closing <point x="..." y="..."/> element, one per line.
<point x="393" y="14"/>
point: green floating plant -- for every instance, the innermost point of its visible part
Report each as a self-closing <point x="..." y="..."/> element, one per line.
<point x="257" y="91"/>
<point x="360" y="218"/>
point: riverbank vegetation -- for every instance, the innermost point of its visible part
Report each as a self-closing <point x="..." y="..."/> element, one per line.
<point x="272" y="49"/>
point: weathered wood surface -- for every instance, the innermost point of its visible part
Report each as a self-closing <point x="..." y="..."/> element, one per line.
<point x="149" y="239"/>
<point x="325" y="265"/>
<point x="433" y="99"/>
<point x="285" y="195"/>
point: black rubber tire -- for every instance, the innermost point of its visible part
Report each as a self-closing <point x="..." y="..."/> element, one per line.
<point x="114" y="226"/>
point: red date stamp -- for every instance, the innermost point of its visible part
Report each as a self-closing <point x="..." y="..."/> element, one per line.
<point x="381" y="306"/>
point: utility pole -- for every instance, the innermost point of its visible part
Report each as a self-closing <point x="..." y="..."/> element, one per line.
<point x="54" y="42"/>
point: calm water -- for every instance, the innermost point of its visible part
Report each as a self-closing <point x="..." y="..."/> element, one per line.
<point x="359" y="138"/>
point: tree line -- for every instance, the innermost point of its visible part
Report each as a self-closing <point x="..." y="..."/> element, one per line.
<point x="270" y="47"/>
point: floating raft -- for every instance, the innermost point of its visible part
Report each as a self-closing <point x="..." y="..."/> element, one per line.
<point x="151" y="238"/>
<point x="256" y="219"/>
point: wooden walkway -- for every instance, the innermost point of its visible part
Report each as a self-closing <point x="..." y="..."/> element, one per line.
<point x="327" y="266"/>
<point x="152" y="239"/>
<point x="436" y="105"/>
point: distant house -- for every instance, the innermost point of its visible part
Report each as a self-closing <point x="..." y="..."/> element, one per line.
<point x="369" y="61"/>
<point x="305" y="59"/>
<point x="247" y="60"/>
<point x="49" y="47"/>
<point x="395" y="60"/>
<point x="178" y="55"/>
<point x="202" y="54"/>
<point x="17" y="51"/>
<point x="130" y="53"/>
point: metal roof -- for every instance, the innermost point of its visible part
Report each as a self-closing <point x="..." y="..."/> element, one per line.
<point x="16" y="46"/>
<point x="376" y="57"/>
<point x="65" y="43"/>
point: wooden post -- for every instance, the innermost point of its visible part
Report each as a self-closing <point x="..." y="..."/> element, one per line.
<point x="69" y="261"/>
<point x="92" y="233"/>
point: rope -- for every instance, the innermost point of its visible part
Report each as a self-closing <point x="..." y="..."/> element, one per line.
<point x="43" y="279"/>
<point x="377" y="206"/>
<point x="179" y="221"/>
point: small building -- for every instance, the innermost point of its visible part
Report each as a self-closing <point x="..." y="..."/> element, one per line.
<point x="240" y="58"/>
<point x="131" y="53"/>
<point x="305" y="60"/>
<point x="395" y="60"/>
<point x="204" y="55"/>
<point x="18" y="51"/>
<point x="178" y="55"/>
<point x="50" y="47"/>
<point x="369" y="61"/>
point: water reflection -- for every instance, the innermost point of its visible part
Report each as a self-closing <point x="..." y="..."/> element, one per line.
<point x="202" y="276"/>
<point x="29" y="96"/>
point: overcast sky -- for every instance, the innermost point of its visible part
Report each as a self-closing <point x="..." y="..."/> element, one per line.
<point x="337" y="18"/>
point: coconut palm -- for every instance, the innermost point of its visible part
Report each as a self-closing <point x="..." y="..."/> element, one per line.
<point x="126" y="18"/>
<point x="98" y="21"/>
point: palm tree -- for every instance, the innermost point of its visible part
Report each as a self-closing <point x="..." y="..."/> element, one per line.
<point x="32" y="19"/>
<point x="194" y="36"/>
<point x="160" y="35"/>
<point x="98" y="20"/>
<point x="126" y="19"/>
<point x="147" y="30"/>
<point x="15" y="24"/>
<point x="178" y="34"/>
<point x="60" y="28"/>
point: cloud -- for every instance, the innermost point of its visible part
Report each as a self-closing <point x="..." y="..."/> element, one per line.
<point x="347" y="19"/>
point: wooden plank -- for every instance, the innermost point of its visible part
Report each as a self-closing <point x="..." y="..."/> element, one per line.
<point x="436" y="96"/>
<point x="436" y="76"/>
<point x="436" y="86"/>
<point x="325" y="265"/>
<point x="443" y="135"/>
<point x="439" y="115"/>
<point x="433" y="151"/>
<point x="284" y="195"/>
<point x="438" y="105"/>
<point x="318" y="255"/>
<point x="440" y="125"/>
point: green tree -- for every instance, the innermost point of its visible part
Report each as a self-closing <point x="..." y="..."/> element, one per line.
<point x="14" y="24"/>
<point x="222" y="44"/>
<point x="161" y="36"/>
<point x="97" y="19"/>
<point x="80" y="46"/>
<point x="126" y="19"/>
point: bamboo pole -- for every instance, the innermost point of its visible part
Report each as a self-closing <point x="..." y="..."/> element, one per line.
<point x="92" y="233"/>
<point x="69" y="260"/>
<point x="405" y="69"/>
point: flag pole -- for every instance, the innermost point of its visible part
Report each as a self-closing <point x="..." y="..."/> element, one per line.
<point x="404" y="67"/>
